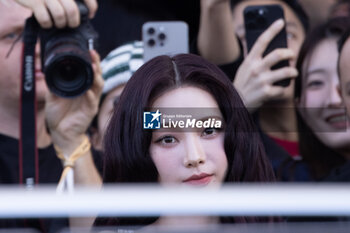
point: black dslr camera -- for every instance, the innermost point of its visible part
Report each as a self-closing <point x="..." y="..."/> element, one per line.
<point x="65" y="56"/>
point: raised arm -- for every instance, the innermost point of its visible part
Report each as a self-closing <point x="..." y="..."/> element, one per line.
<point x="216" y="39"/>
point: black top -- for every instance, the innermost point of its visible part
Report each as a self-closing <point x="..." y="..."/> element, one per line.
<point x="50" y="169"/>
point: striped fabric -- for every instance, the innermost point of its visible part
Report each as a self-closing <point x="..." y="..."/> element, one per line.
<point x="120" y="64"/>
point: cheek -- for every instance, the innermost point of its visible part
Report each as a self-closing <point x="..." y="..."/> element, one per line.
<point x="215" y="152"/>
<point x="314" y="99"/>
<point x="167" y="161"/>
<point x="10" y="66"/>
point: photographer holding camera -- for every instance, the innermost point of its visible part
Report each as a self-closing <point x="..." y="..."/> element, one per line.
<point x="59" y="122"/>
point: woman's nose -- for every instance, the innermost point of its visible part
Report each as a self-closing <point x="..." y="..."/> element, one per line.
<point x="335" y="99"/>
<point x="194" y="154"/>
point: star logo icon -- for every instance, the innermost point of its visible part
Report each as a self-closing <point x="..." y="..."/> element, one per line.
<point x="151" y="120"/>
<point x="156" y="115"/>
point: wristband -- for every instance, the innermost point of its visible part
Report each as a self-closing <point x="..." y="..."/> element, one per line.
<point x="68" y="162"/>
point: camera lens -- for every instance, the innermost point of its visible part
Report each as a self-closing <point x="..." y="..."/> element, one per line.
<point x="66" y="57"/>
<point x="161" y="36"/>
<point x="69" y="76"/>
<point x="261" y="11"/>
<point x="151" y="42"/>
<point x="151" y="31"/>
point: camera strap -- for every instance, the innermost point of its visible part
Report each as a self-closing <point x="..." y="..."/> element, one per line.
<point x="28" y="152"/>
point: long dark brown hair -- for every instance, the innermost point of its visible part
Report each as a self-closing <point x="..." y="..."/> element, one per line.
<point x="127" y="157"/>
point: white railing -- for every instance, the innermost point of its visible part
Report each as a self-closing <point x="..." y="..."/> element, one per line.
<point x="244" y="200"/>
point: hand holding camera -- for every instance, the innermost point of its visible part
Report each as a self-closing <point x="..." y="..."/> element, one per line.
<point x="68" y="119"/>
<point x="71" y="70"/>
<point x="65" y="56"/>
<point x="58" y="13"/>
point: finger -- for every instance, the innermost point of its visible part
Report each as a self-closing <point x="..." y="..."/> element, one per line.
<point x="42" y="15"/>
<point x="92" y="5"/>
<point x="266" y="37"/>
<point x="92" y="101"/>
<point x="57" y="13"/>
<point x="98" y="83"/>
<point x="280" y="74"/>
<point x="72" y="13"/>
<point x="276" y="56"/>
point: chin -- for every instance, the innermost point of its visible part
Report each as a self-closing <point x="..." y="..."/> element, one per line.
<point x="335" y="141"/>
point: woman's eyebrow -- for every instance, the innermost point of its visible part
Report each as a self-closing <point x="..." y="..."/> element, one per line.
<point x="315" y="71"/>
<point x="217" y="117"/>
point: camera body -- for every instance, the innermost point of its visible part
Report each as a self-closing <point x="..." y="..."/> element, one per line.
<point x="65" y="56"/>
<point x="257" y="19"/>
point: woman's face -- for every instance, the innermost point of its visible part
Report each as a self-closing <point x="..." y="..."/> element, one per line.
<point x="189" y="157"/>
<point x="321" y="105"/>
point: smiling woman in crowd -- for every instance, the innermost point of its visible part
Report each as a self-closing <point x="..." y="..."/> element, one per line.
<point x="324" y="134"/>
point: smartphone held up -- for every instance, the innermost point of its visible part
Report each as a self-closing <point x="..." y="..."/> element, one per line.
<point x="164" y="38"/>
<point x="256" y="20"/>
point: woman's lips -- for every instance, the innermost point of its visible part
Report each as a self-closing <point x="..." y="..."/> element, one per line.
<point x="201" y="179"/>
<point x="338" y="121"/>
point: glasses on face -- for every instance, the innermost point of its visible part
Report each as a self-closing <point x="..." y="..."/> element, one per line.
<point x="18" y="38"/>
<point x="12" y="38"/>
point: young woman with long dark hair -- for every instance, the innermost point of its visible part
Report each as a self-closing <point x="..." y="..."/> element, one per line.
<point x="205" y="157"/>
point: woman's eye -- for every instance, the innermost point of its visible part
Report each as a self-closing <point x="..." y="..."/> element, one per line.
<point x="166" y="140"/>
<point x="315" y="84"/>
<point x="209" y="132"/>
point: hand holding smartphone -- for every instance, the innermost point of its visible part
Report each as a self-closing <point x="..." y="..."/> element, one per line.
<point x="164" y="38"/>
<point x="256" y="20"/>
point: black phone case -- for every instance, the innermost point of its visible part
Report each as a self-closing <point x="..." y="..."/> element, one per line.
<point x="256" y="20"/>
